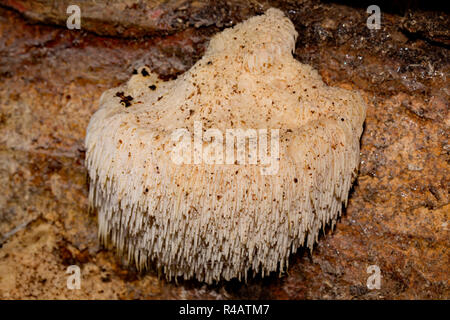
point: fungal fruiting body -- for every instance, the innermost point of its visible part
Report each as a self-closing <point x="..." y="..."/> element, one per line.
<point x="217" y="221"/>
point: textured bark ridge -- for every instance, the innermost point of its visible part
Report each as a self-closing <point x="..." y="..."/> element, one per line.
<point x="218" y="221"/>
<point x="136" y="18"/>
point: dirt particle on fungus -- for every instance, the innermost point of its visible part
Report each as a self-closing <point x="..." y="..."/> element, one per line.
<point x="134" y="71"/>
<point x="152" y="87"/>
<point x="209" y="63"/>
<point x="145" y="73"/>
<point x="124" y="100"/>
<point x="295" y="180"/>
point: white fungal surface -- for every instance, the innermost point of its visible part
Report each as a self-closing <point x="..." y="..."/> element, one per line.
<point x="217" y="222"/>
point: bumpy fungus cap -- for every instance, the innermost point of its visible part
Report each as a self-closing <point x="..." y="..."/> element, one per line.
<point x="218" y="221"/>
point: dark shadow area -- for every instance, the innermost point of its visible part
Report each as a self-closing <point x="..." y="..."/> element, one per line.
<point x="396" y="6"/>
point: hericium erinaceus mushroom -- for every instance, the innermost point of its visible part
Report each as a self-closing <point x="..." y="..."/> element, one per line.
<point x="172" y="194"/>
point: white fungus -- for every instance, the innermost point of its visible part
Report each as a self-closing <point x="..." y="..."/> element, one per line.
<point x="215" y="222"/>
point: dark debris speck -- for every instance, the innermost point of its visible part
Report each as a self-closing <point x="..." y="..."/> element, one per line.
<point x="125" y="100"/>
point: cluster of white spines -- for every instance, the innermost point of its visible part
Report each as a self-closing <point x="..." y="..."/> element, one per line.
<point x="213" y="222"/>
